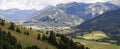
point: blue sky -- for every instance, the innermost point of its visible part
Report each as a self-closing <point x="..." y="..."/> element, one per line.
<point x="37" y="4"/>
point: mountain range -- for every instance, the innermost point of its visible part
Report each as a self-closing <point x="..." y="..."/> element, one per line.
<point x="69" y="14"/>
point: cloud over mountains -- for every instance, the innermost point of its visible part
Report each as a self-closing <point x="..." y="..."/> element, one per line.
<point x="37" y="4"/>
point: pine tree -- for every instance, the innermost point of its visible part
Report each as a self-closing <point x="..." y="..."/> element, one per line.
<point x="27" y="33"/>
<point x="18" y="30"/>
<point x="3" y="23"/>
<point x="30" y="28"/>
<point x="12" y="26"/>
<point x="19" y="46"/>
<point x="71" y="44"/>
<point x="87" y="48"/>
<point x="82" y="47"/>
<point x="47" y="32"/>
<point x="8" y="34"/>
<point x="43" y="37"/>
<point x="64" y="39"/>
<point x="58" y="35"/>
<point x="52" y="38"/>
<point x="38" y="37"/>
<point x="4" y="32"/>
<point x="61" y="45"/>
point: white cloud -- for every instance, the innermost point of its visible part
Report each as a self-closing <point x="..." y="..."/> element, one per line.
<point x="37" y="4"/>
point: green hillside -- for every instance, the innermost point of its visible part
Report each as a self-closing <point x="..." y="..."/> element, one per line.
<point x="17" y="37"/>
<point x="26" y="40"/>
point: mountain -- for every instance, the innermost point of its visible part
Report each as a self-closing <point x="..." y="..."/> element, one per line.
<point x="71" y="14"/>
<point x="107" y="23"/>
<point x="17" y="15"/>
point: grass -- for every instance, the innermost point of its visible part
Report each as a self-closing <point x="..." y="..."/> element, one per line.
<point x="28" y="40"/>
<point x="95" y="35"/>
<point x="97" y="45"/>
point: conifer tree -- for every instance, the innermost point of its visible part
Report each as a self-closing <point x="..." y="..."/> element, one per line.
<point x="12" y="26"/>
<point x="19" y="46"/>
<point x="52" y="38"/>
<point x="27" y="33"/>
<point x="18" y="30"/>
<point x="38" y="37"/>
<point x="3" y="23"/>
<point x="43" y="37"/>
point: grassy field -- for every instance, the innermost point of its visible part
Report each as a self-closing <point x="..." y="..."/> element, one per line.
<point x="95" y="35"/>
<point x="28" y="40"/>
<point x="96" y="45"/>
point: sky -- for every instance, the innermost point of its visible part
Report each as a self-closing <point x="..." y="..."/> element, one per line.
<point x="37" y="4"/>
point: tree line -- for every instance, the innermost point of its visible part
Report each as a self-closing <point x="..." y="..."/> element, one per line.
<point x="60" y="41"/>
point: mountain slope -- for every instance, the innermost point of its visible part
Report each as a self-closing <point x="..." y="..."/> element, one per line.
<point x="71" y="14"/>
<point x="107" y="22"/>
<point x="23" y="39"/>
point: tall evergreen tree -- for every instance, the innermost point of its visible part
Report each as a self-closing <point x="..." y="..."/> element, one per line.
<point x="12" y="26"/>
<point x="64" y="39"/>
<point x="3" y="23"/>
<point x="19" y="46"/>
<point x="27" y="33"/>
<point x="47" y="32"/>
<point x="43" y="37"/>
<point x="52" y="38"/>
<point x="18" y="30"/>
<point x="38" y="37"/>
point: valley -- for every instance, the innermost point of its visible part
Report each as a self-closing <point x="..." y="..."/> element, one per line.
<point x="37" y="24"/>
